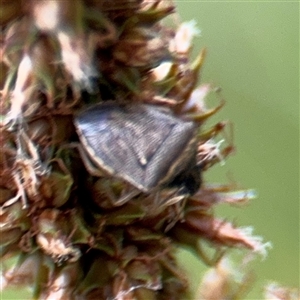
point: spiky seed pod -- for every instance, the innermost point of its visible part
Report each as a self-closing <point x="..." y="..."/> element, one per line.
<point x="84" y="236"/>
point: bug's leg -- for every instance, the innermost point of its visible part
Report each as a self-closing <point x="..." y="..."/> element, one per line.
<point x="116" y="191"/>
<point x="111" y="192"/>
<point x="173" y="200"/>
<point x="183" y="186"/>
<point x="89" y="165"/>
<point x="127" y="194"/>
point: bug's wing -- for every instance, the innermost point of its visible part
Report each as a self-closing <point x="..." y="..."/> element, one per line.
<point x="142" y="144"/>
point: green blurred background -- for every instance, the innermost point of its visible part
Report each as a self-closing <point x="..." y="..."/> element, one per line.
<point x="253" y="55"/>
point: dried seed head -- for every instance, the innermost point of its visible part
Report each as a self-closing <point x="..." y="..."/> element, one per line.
<point x="97" y="214"/>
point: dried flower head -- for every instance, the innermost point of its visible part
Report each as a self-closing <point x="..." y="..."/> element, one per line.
<point x="104" y="148"/>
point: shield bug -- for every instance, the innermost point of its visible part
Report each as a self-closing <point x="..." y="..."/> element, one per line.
<point x="145" y="145"/>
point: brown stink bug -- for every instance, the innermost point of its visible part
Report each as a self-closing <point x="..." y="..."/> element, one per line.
<point x="144" y="145"/>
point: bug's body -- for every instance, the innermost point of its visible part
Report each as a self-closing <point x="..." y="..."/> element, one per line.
<point x="145" y="145"/>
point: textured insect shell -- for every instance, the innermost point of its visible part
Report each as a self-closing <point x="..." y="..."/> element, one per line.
<point x="181" y="145"/>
